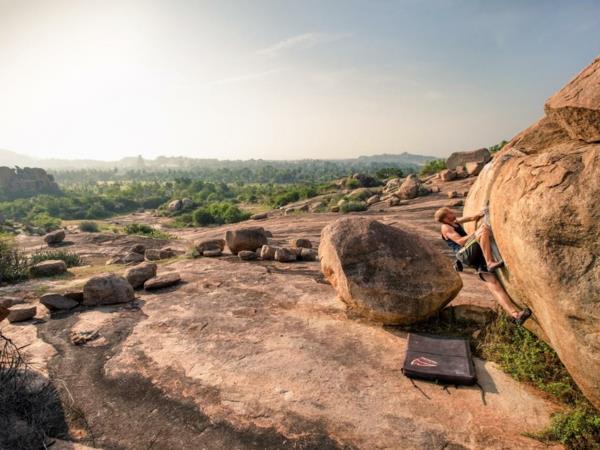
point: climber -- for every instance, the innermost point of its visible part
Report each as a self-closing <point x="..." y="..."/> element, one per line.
<point x="475" y="250"/>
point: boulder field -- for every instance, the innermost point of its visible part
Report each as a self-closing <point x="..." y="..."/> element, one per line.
<point x="543" y="191"/>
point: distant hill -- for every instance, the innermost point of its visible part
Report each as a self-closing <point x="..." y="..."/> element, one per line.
<point x="9" y="158"/>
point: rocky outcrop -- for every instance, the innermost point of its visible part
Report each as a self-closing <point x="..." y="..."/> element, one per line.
<point x="460" y="159"/>
<point x="386" y="273"/>
<point x="107" y="289"/>
<point x="249" y="238"/>
<point x="543" y="189"/>
<point x="27" y="182"/>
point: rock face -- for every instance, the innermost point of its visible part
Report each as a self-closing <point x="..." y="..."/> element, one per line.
<point x="27" y="182"/>
<point x="385" y="273"/>
<point x="138" y="275"/>
<point x="57" y="301"/>
<point x="250" y="238"/>
<point x="460" y="159"/>
<point x="543" y="190"/>
<point x="48" y="268"/>
<point x="55" y="237"/>
<point x="107" y="289"/>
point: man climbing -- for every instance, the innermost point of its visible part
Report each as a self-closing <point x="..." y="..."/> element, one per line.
<point x="475" y="250"/>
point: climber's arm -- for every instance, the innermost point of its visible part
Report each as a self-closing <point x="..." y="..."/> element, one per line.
<point x="450" y="233"/>
<point x="470" y="218"/>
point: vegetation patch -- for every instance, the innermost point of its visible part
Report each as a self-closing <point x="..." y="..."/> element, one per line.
<point x="529" y="359"/>
<point x="71" y="259"/>
<point x="14" y="265"/>
<point x="352" y="206"/>
<point x="141" y="229"/>
<point x="88" y="226"/>
<point x="434" y="166"/>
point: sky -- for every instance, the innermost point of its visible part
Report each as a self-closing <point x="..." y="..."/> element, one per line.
<point x="281" y="79"/>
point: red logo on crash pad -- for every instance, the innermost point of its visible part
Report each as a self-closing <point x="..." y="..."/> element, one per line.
<point x="421" y="361"/>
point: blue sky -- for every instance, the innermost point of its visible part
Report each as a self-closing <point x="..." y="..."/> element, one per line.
<point x="281" y="79"/>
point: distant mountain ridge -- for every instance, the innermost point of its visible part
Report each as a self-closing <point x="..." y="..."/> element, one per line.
<point x="11" y="159"/>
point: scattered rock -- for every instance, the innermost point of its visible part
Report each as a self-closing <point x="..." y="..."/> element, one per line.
<point x="447" y="175"/>
<point x="259" y="216"/>
<point x="209" y="244"/>
<point x="186" y="203"/>
<point x="138" y="248"/>
<point x="411" y="188"/>
<point x="175" y="205"/>
<point x="20" y="313"/>
<point x="75" y="295"/>
<point x="250" y="238"/>
<point x="57" y="301"/>
<point x="460" y="159"/>
<point x="473" y="168"/>
<point x="308" y="254"/>
<point x="133" y="258"/>
<point x="115" y="260"/>
<point x="83" y="337"/>
<point x="453" y="194"/>
<point x="107" y="289"/>
<point x="372" y="200"/>
<point x="156" y="254"/>
<point x="267" y="252"/>
<point x="247" y="255"/>
<point x="300" y="242"/>
<point x="385" y="273"/>
<point x="55" y="237"/>
<point x="284" y="255"/>
<point x="543" y="189"/>
<point x="212" y="253"/>
<point x="162" y="281"/>
<point x="139" y="274"/>
<point x="48" y="268"/>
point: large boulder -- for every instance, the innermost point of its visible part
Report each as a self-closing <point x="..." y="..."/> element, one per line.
<point x="55" y="237"/>
<point x="55" y="302"/>
<point x="107" y="289"/>
<point x="249" y="238"/>
<point x="411" y="188"/>
<point x="543" y="190"/>
<point x="385" y="273"/>
<point x="460" y="159"/>
<point x="19" y="313"/>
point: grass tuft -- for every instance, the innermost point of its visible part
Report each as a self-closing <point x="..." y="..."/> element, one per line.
<point x="71" y="259"/>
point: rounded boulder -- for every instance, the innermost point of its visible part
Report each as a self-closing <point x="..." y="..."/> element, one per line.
<point x="385" y="273"/>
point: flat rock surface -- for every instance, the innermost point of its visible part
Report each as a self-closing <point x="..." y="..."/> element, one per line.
<point x="249" y="355"/>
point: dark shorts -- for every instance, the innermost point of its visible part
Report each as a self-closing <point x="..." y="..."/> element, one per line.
<point x="472" y="256"/>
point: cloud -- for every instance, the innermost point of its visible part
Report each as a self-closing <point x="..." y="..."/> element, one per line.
<point x="245" y="77"/>
<point x="306" y="40"/>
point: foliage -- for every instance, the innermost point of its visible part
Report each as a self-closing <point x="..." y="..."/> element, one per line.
<point x="352" y="183"/>
<point x="353" y="206"/>
<point x="527" y="358"/>
<point x="45" y="222"/>
<point x="498" y="147"/>
<point x="389" y="172"/>
<point x="432" y="167"/>
<point x="88" y="226"/>
<point x="14" y="265"/>
<point x="219" y="213"/>
<point x="141" y="229"/>
<point x="71" y="259"/>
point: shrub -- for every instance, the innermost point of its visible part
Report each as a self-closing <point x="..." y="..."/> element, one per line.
<point x="44" y="221"/>
<point x="498" y="147"/>
<point x="219" y="213"/>
<point x="433" y="166"/>
<point x="141" y="229"/>
<point x="353" y="206"/>
<point x="352" y="183"/>
<point x="389" y="172"/>
<point x="14" y="265"/>
<point x="88" y="226"/>
<point x="71" y="259"/>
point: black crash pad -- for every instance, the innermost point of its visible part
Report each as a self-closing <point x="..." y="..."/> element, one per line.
<point x="437" y="358"/>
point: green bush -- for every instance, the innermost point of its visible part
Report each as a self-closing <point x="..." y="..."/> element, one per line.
<point x="352" y="183"/>
<point x="389" y="172"/>
<point x="14" y="265"/>
<point x="577" y="429"/>
<point x="88" y="226"/>
<point x="45" y="221"/>
<point x="71" y="259"/>
<point x="219" y="213"/>
<point x="432" y="167"/>
<point x="498" y="147"/>
<point x="142" y="229"/>
<point x="353" y="206"/>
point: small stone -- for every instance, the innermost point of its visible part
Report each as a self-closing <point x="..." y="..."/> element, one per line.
<point x="133" y="258"/>
<point x="55" y="237"/>
<point x="138" y="248"/>
<point x="162" y="281"/>
<point x="209" y="244"/>
<point x="247" y="255"/>
<point x="267" y="252"/>
<point x="57" y="301"/>
<point x="139" y="274"/>
<point x="308" y="254"/>
<point x="284" y="255"/>
<point x="260" y="216"/>
<point x="302" y="243"/>
<point x="19" y="313"/>
<point x="212" y="253"/>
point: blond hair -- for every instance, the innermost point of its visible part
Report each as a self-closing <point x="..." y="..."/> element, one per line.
<point x="440" y="214"/>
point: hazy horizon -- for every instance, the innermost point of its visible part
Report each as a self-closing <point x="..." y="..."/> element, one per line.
<point x="281" y="79"/>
